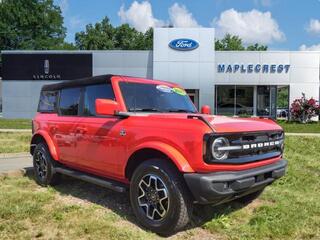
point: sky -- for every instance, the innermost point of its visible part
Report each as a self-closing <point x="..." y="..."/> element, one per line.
<point x="279" y="24"/>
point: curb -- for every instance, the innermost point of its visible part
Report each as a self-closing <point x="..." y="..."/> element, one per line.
<point x="15" y="155"/>
<point x="17" y="173"/>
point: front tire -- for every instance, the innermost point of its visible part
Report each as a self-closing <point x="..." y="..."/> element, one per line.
<point x="43" y="165"/>
<point x="160" y="198"/>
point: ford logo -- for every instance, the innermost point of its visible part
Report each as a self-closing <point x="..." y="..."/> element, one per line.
<point x="183" y="44"/>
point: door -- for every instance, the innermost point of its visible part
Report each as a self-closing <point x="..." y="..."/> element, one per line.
<point x="244" y="100"/>
<point x="273" y="102"/>
<point x="225" y="100"/>
<point x="194" y="96"/>
<point x="267" y="101"/>
<point x="65" y="125"/>
<point x="100" y="146"/>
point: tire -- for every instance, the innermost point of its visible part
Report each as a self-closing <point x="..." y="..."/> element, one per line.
<point x="43" y="166"/>
<point x="156" y="184"/>
<point x="247" y="199"/>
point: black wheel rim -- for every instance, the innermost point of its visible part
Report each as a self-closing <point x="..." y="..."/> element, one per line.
<point x="41" y="164"/>
<point x="153" y="197"/>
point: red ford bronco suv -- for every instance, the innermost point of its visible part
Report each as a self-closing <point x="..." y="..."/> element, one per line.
<point x="146" y="136"/>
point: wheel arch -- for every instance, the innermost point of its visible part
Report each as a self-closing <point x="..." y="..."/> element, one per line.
<point x="43" y="137"/>
<point x="156" y="150"/>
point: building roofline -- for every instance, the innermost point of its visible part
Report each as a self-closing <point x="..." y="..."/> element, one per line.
<point x="133" y="51"/>
<point x="269" y="51"/>
<point x="67" y="51"/>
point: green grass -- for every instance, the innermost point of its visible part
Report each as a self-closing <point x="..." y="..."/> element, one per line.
<point x="15" y="123"/>
<point x="288" y="209"/>
<point x="29" y="212"/>
<point x="295" y="127"/>
<point x="14" y="142"/>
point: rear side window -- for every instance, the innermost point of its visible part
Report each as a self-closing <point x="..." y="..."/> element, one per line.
<point x="93" y="92"/>
<point x="48" y="101"/>
<point x="69" y="101"/>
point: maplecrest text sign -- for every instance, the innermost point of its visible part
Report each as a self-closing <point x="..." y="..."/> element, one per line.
<point x="253" y="68"/>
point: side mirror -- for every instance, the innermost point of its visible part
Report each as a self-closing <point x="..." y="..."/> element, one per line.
<point x="106" y="107"/>
<point x="205" y="109"/>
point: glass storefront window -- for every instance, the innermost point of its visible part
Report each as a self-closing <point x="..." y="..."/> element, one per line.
<point x="225" y="100"/>
<point x="244" y="100"/>
<point x="283" y="102"/>
<point x="263" y="101"/>
<point x="268" y="101"/>
<point x="234" y="100"/>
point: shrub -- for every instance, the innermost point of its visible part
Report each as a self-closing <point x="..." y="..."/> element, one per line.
<point x="303" y="109"/>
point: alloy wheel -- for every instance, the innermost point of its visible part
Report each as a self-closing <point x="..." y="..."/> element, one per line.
<point x="41" y="164"/>
<point x="153" y="197"/>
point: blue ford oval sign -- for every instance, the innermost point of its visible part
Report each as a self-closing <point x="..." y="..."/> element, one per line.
<point x="183" y="44"/>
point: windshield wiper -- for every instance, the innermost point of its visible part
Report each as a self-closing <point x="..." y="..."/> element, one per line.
<point x="144" y="110"/>
<point x="180" y="110"/>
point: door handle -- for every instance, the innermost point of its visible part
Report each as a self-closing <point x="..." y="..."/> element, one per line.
<point x="81" y="130"/>
<point x="53" y="128"/>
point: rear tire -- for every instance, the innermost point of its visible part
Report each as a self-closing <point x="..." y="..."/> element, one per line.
<point x="43" y="165"/>
<point x="160" y="198"/>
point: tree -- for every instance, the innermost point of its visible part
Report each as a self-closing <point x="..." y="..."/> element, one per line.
<point x="128" y="38"/>
<point x="282" y="97"/>
<point x="257" y="47"/>
<point x="234" y="43"/>
<point x="96" y="37"/>
<point x="103" y="36"/>
<point x="148" y="39"/>
<point x="67" y="46"/>
<point x="229" y="43"/>
<point x="31" y="24"/>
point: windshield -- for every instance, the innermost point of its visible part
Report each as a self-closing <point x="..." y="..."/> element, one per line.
<point x="141" y="97"/>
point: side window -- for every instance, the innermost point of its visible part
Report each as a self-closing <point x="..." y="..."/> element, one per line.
<point x="94" y="92"/>
<point x="48" y="101"/>
<point x="69" y="101"/>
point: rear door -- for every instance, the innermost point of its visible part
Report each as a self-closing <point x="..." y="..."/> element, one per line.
<point x="67" y="123"/>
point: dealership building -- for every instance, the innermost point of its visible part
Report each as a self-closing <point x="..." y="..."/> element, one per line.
<point x="256" y="83"/>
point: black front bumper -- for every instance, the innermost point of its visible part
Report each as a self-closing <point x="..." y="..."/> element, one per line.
<point x="220" y="187"/>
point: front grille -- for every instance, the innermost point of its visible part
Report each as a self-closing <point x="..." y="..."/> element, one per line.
<point x="248" y="147"/>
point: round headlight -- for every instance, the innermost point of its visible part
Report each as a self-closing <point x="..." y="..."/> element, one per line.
<point x="217" y="148"/>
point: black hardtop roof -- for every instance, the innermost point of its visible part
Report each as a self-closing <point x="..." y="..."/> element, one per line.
<point x="88" y="81"/>
<point x="78" y="82"/>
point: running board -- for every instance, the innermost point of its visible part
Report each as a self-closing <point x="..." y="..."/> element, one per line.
<point x="111" y="184"/>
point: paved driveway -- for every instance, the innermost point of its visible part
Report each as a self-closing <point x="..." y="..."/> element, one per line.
<point x="14" y="161"/>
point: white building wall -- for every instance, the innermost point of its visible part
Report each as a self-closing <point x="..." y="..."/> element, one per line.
<point x="21" y="97"/>
<point x="130" y="63"/>
<point x="191" y="69"/>
<point x="304" y="76"/>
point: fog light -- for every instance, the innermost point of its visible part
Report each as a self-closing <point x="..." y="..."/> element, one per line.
<point x="219" y="148"/>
